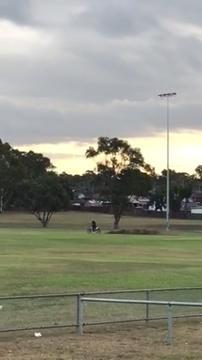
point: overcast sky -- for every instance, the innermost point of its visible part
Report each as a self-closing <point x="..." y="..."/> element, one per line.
<point x="78" y="69"/>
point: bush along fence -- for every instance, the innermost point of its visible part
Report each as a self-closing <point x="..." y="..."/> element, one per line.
<point x="93" y="308"/>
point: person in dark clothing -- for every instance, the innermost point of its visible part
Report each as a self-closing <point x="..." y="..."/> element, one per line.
<point x="93" y="226"/>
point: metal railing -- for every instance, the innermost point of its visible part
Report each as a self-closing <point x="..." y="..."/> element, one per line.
<point x="169" y="305"/>
<point x="65" y="310"/>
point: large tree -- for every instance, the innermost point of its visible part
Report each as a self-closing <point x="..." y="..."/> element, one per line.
<point x="119" y="169"/>
<point x="10" y="173"/>
<point x="15" y="167"/>
<point x="45" y="195"/>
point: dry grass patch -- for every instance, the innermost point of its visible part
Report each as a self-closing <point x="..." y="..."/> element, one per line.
<point x="129" y="342"/>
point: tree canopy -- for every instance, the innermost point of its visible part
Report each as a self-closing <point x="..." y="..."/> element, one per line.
<point x="46" y="195"/>
<point x="120" y="171"/>
<point x="28" y="182"/>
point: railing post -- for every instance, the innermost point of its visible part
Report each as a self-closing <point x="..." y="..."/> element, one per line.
<point x="169" y="337"/>
<point x="79" y="314"/>
<point x="147" y="305"/>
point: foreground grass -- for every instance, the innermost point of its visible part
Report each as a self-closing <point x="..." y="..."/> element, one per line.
<point x="64" y="258"/>
<point x="54" y="260"/>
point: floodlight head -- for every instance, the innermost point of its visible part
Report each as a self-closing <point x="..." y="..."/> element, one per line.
<point x="167" y="94"/>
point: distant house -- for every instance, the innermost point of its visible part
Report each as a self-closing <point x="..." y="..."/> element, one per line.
<point x="138" y="202"/>
<point x="93" y="203"/>
<point x="194" y="203"/>
<point x="197" y="197"/>
<point x="197" y="210"/>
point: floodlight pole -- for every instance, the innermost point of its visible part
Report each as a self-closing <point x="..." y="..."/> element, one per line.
<point x="167" y="96"/>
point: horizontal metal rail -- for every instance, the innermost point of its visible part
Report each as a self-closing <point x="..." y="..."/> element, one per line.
<point x="45" y="327"/>
<point x="151" y="302"/>
<point x="155" y="318"/>
<point x="86" y="293"/>
<point x="122" y="291"/>
<point x="25" y="297"/>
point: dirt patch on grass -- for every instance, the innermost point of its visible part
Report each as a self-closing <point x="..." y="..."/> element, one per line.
<point x="129" y="342"/>
<point x="134" y="231"/>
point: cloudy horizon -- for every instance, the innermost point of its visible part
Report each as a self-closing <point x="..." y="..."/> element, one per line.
<point x="72" y="71"/>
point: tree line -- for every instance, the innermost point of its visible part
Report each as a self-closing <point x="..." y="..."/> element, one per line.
<point x="28" y="180"/>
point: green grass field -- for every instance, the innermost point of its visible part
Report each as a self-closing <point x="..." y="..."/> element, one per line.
<point x="64" y="258"/>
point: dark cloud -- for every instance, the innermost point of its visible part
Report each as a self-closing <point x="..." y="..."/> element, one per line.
<point x="30" y="125"/>
<point x="80" y="69"/>
<point x="15" y="10"/>
<point x="116" y="18"/>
